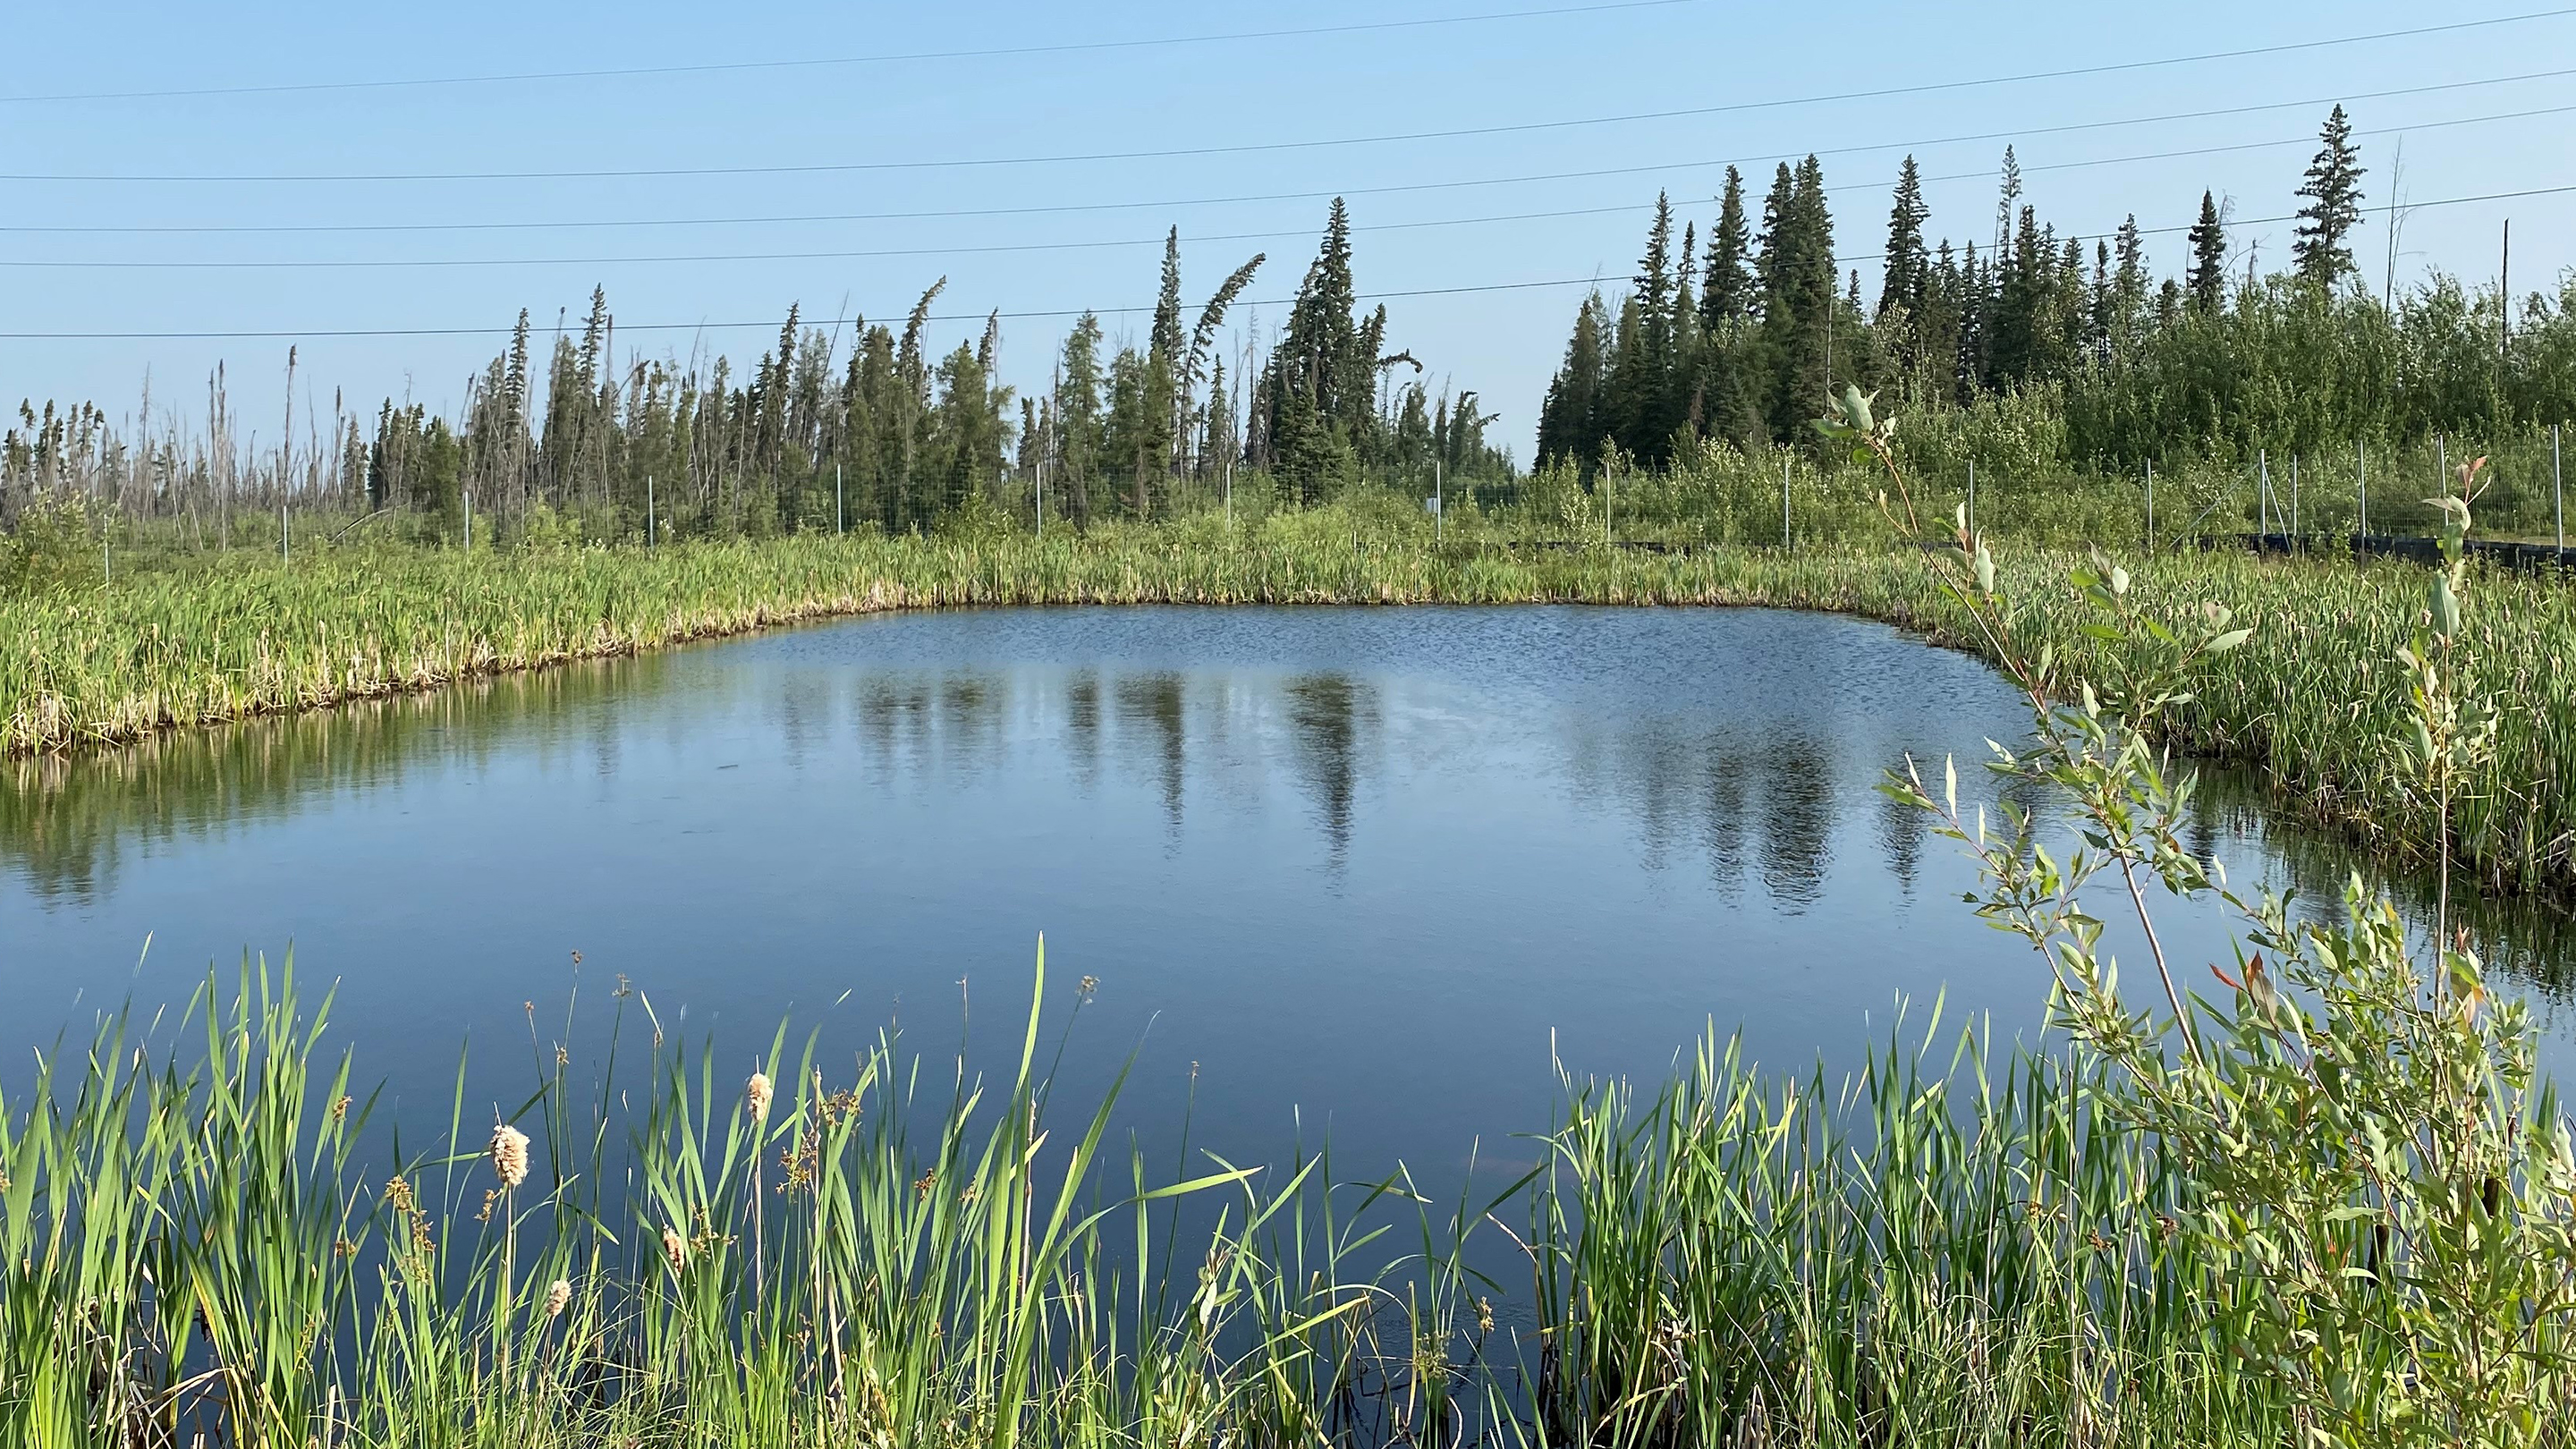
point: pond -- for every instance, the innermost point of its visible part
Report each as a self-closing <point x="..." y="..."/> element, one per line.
<point x="1359" y="875"/>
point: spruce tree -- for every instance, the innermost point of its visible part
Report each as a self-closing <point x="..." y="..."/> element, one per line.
<point x="2104" y="303"/>
<point x="2128" y="285"/>
<point x="1773" y="246"/>
<point x="1682" y="403"/>
<point x="1905" y="258"/>
<point x="1937" y="330"/>
<point x="1726" y="293"/>
<point x="1078" y="415"/>
<point x="2020" y="304"/>
<point x="1646" y="374"/>
<point x="1161" y="401"/>
<point x="1568" y="420"/>
<point x="2322" y="250"/>
<point x="2207" y="279"/>
<point x="2008" y="196"/>
<point x="1321" y="389"/>
<point x="1798" y="273"/>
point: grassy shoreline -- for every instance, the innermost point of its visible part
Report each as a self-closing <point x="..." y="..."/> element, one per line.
<point x="2308" y="703"/>
<point x="200" y="1242"/>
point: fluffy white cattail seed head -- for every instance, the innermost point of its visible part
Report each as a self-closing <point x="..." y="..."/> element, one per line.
<point x="755" y="1096"/>
<point x="558" y="1294"/>
<point x="509" y="1155"/>
<point x="675" y="1248"/>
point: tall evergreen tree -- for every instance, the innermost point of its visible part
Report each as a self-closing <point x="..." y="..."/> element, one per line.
<point x="1569" y="419"/>
<point x="1647" y="365"/>
<point x="2322" y="250"/>
<point x="2128" y="285"/>
<point x="1726" y="293"/>
<point x="1775" y="243"/>
<point x="1937" y="331"/>
<point x="2021" y="301"/>
<point x="2207" y="279"/>
<point x="1321" y="390"/>
<point x="1905" y="260"/>
<point x="1798" y="274"/>
<point x="1079" y="439"/>
<point x="2008" y="196"/>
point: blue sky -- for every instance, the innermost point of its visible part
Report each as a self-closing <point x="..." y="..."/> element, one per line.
<point x="1060" y="235"/>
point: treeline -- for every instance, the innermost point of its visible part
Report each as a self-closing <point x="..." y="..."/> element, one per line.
<point x="837" y="426"/>
<point x="1741" y="340"/>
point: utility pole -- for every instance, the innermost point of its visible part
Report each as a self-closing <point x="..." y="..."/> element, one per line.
<point x="2504" y="297"/>
<point x="840" y="520"/>
<point x="1439" y="504"/>
<point x="2558" y="492"/>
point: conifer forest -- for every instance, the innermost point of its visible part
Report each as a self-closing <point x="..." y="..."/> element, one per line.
<point x="2068" y="352"/>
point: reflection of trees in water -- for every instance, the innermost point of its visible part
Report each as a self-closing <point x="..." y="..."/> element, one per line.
<point x="1326" y="713"/>
<point x="1729" y="802"/>
<point x="1664" y="789"/>
<point x="1900" y="837"/>
<point x="1154" y="700"/>
<point x="1761" y="797"/>
<point x="67" y="822"/>
<point x="1771" y="799"/>
<point x="1798" y="797"/>
<point x="1082" y="721"/>
<point x="894" y="713"/>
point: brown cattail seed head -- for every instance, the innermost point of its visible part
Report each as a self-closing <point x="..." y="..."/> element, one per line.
<point x="509" y="1155"/>
<point x="755" y="1096"/>
<point x="675" y="1248"/>
<point x="558" y="1294"/>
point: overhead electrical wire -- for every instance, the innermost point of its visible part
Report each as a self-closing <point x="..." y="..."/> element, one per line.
<point x="1069" y="47"/>
<point x="989" y="248"/>
<point x="967" y="213"/>
<point x="1060" y="313"/>
<point x="1256" y="147"/>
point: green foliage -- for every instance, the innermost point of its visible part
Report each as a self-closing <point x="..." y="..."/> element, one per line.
<point x="52" y="547"/>
<point x="2368" y="1167"/>
<point x="2333" y="194"/>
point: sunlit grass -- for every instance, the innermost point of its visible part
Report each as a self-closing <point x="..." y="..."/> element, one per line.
<point x="215" y="1239"/>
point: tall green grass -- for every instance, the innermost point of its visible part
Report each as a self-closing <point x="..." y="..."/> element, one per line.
<point x="218" y="1241"/>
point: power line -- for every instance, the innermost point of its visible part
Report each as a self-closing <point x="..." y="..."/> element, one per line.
<point x="1060" y="313"/>
<point x="1270" y="147"/>
<point x="967" y="213"/>
<point x="888" y="58"/>
<point x="989" y="248"/>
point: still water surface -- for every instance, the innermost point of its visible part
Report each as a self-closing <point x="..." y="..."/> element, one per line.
<point x="1360" y="874"/>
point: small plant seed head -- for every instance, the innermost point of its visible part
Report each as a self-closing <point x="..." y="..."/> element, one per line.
<point x="509" y="1155"/>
